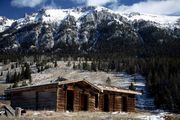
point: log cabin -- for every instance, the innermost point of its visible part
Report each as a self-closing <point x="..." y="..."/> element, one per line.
<point x="73" y="95"/>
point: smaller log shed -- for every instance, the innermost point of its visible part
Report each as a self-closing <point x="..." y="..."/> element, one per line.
<point x="76" y="95"/>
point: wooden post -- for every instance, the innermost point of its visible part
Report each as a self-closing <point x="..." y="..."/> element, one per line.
<point x="18" y="112"/>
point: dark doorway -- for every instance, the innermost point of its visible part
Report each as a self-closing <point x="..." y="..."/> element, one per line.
<point x="106" y="103"/>
<point x="70" y="99"/>
<point x="37" y="100"/>
<point x="84" y="102"/>
<point x="124" y="104"/>
<point x="96" y="101"/>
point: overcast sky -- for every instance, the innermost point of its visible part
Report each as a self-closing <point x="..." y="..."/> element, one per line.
<point x="17" y="8"/>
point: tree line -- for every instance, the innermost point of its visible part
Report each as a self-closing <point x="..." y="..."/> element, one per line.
<point x="162" y="73"/>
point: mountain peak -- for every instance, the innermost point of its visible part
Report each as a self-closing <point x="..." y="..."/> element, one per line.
<point x="159" y="20"/>
<point x="54" y="15"/>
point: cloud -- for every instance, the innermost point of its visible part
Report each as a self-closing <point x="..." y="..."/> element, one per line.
<point x="162" y="7"/>
<point x="79" y="1"/>
<point x="99" y="2"/>
<point x="95" y="2"/>
<point x="27" y="3"/>
<point x="51" y="5"/>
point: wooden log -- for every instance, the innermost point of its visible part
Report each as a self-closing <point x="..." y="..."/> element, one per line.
<point x="131" y="104"/>
<point x="76" y="102"/>
<point x="117" y="103"/>
<point x="111" y="103"/>
<point x="101" y="102"/>
<point x="61" y="102"/>
<point x="91" y="105"/>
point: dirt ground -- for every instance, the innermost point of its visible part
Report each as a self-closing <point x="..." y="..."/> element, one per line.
<point x="51" y="115"/>
<point x="3" y="86"/>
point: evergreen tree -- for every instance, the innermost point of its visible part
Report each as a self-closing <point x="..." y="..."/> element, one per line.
<point x="74" y="66"/>
<point x="1" y="73"/>
<point x="93" y="66"/>
<point x="16" y="64"/>
<point x="15" y="77"/>
<point x="22" y="72"/>
<point x="8" y="78"/>
<point x="24" y="83"/>
<point x="39" y="70"/>
<point x="68" y="64"/>
<point x="12" y="66"/>
<point x="112" y="65"/>
<point x="55" y="64"/>
<point x="85" y="66"/>
<point x="15" y="85"/>
<point x="99" y="65"/>
<point x="131" y="87"/>
<point x="118" y="69"/>
<point x="19" y="77"/>
<point x="79" y="65"/>
<point x="108" y="81"/>
<point x="27" y="72"/>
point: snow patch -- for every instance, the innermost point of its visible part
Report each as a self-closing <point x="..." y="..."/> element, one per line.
<point x="159" y="116"/>
<point x="5" y="23"/>
<point x="160" y="20"/>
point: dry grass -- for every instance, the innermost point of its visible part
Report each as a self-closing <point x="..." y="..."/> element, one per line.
<point x="49" y="115"/>
<point x="172" y="117"/>
<point x="3" y="87"/>
<point x="62" y="70"/>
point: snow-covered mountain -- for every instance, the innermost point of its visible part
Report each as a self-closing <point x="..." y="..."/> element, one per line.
<point x="5" y="23"/>
<point x="158" y="20"/>
<point x="57" y="15"/>
<point x="86" y="29"/>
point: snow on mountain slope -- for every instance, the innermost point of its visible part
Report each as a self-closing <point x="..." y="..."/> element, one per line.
<point x="57" y="15"/>
<point x="5" y="23"/>
<point x="160" y="20"/>
<point x="51" y="16"/>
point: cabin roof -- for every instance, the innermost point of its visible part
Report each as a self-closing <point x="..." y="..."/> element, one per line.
<point x="53" y="83"/>
<point x="27" y="87"/>
<point x="78" y="81"/>
<point x="117" y="89"/>
<point x="98" y="87"/>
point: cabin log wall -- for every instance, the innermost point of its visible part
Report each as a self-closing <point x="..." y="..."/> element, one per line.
<point x="91" y="105"/>
<point x="25" y="100"/>
<point x="130" y="104"/>
<point x="61" y="100"/>
<point x="101" y="102"/>
<point x="111" y="103"/>
<point x="35" y="99"/>
<point x="117" y="103"/>
<point x="76" y="102"/>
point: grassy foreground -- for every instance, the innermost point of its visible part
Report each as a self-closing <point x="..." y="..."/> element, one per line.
<point x="50" y="115"/>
